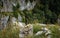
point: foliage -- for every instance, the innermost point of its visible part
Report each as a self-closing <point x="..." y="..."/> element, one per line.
<point x="45" y="11"/>
<point x="55" y="32"/>
<point x="16" y="10"/>
<point x="36" y="28"/>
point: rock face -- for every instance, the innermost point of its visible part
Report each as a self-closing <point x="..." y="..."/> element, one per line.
<point x="29" y="29"/>
<point x="4" y="20"/>
<point x="58" y="21"/>
<point x="19" y="18"/>
<point x="26" y="31"/>
<point x="21" y="25"/>
<point x="8" y="5"/>
<point x="44" y="30"/>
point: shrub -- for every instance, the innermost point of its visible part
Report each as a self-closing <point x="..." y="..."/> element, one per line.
<point x="55" y="32"/>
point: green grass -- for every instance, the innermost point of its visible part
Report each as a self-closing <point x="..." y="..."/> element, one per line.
<point x="9" y="32"/>
<point x="54" y="29"/>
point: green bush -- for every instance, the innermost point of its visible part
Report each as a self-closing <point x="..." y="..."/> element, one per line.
<point x="55" y="32"/>
<point x="36" y="28"/>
